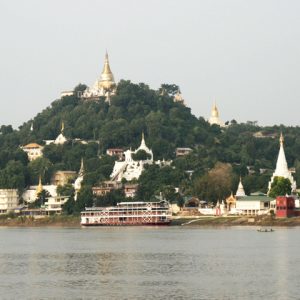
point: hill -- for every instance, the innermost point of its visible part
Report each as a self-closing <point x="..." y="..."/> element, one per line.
<point x="240" y="149"/>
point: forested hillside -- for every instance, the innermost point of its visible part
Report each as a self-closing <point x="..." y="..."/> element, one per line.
<point x="219" y="157"/>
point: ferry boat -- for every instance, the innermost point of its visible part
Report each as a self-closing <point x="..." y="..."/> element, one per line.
<point x="128" y="213"/>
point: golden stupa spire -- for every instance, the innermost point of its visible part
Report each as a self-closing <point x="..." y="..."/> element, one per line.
<point x="62" y="127"/>
<point x="106" y="68"/>
<point x="214" y="111"/>
<point x="107" y="81"/>
<point x="281" y="139"/>
<point x="39" y="188"/>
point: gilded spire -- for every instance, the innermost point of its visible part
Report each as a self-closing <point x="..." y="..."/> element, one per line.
<point x="281" y="139"/>
<point x="214" y="111"/>
<point x="107" y="81"/>
<point x="39" y="188"/>
<point x="106" y="69"/>
<point x="62" y="127"/>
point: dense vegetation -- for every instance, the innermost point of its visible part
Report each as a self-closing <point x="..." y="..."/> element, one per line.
<point x="211" y="171"/>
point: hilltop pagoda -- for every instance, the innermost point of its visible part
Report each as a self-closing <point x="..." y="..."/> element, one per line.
<point x="215" y="117"/>
<point x="104" y="86"/>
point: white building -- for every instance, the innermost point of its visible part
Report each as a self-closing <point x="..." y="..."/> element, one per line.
<point x="31" y="194"/>
<point x="129" y="168"/>
<point x="253" y="205"/>
<point x="55" y="204"/>
<point x="214" y="117"/>
<point x="9" y="200"/>
<point x="282" y="168"/>
<point x="33" y="151"/>
<point x="60" y="140"/>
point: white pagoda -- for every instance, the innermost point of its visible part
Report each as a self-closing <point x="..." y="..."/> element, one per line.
<point x="240" y="191"/>
<point x="282" y="167"/>
<point x="129" y="168"/>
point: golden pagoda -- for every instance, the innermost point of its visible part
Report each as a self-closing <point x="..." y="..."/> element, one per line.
<point x="104" y="86"/>
<point x="214" y="111"/>
<point x="107" y="81"/>
<point x="178" y="97"/>
<point x="39" y="188"/>
<point x="214" y="117"/>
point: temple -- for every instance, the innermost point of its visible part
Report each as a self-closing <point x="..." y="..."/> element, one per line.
<point x="282" y="167"/>
<point x="215" y="118"/>
<point x="130" y="168"/>
<point x="178" y="97"/>
<point x="60" y="140"/>
<point x="104" y="86"/>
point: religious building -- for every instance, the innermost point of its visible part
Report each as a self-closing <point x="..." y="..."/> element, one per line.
<point x="282" y="168"/>
<point x="253" y="205"/>
<point x="60" y="140"/>
<point x="104" y="86"/>
<point x="215" y="117"/>
<point x="130" y="168"/>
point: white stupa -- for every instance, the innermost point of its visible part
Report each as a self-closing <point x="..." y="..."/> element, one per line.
<point x="129" y="168"/>
<point x="282" y="167"/>
<point x="240" y="191"/>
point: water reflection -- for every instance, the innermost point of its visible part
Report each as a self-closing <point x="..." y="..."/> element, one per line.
<point x="148" y="263"/>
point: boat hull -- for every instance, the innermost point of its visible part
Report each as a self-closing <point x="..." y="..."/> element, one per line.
<point x="126" y="224"/>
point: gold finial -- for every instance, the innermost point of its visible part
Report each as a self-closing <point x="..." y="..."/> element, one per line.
<point x="107" y="81"/>
<point x="39" y="188"/>
<point x="106" y="68"/>
<point x="281" y="139"/>
<point x="214" y="111"/>
<point x="62" y="127"/>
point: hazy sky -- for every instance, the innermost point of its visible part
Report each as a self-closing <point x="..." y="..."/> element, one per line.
<point x="243" y="54"/>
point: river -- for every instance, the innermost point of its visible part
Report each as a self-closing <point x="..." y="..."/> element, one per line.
<point x="149" y="263"/>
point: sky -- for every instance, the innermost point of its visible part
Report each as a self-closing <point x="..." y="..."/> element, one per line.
<point x="245" y="55"/>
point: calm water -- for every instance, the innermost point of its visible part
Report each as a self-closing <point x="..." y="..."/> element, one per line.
<point x="149" y="263"/>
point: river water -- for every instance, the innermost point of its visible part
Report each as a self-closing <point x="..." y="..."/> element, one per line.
<point x="149" y="263"/>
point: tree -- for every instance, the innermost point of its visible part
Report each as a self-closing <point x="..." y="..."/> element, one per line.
<point x="141" y="155"/>
<point x="280" y="187"/>
<point x="216" y="184"/>
<point x="13" y="176"/>
<point x="84" y="199"/>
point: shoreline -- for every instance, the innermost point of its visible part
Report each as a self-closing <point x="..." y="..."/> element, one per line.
<point x="199" y="221"/>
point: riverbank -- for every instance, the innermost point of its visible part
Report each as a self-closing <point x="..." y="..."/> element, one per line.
<point x="74" y="221"/>
<point x="236" y="221"/>
<point x="53" y="221"/>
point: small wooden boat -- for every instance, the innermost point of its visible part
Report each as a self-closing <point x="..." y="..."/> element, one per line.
<point x="265" y="230"/>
